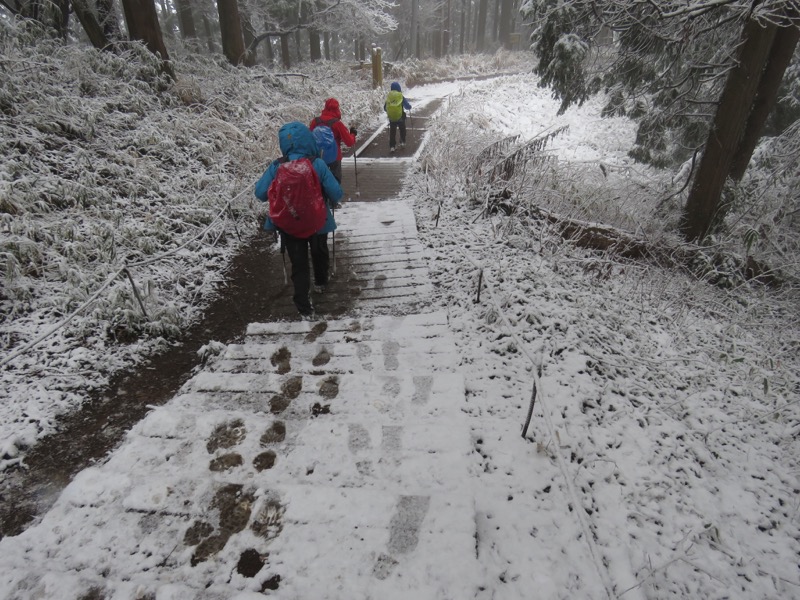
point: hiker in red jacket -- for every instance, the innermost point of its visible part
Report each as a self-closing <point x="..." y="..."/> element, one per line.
<point x="332" y="117"/>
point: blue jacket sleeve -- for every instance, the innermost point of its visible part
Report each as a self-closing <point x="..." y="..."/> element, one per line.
<point x="331" y="188"/>
<point x="262" y="186"/>
<point x="406" y="105"/>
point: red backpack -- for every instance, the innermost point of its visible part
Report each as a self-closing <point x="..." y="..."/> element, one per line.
<point x="296" y="205"/>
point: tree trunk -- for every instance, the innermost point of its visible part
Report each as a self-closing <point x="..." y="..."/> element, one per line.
<point x="92" y="27"/>
<point x="185" y="19"/>
<point x="446" y="36"/>
<point x="270" y="52"/>
<point x="413" y="49"/>
<point x="249" y="36"/>
<point x="314" y="45"/>
<point x="230" y="26"/>
<point x="496" y="20"/>
<point x="209" y="34"/>
<point x="314" y="42"/>
<point x="142" y="20"/>
<point x="107" y="16"/>
<point x="326" y="43"/>
<point x="768" y="87"/>
<point x="480" y="37"/>
<point x="285" y="57"/>
<point x="436" y="35"/>
<point x="298" y="46"/>
<point x="505" y="23"/>
<point x="464" y="26"/>
<point x="31" y="9"/>
<point x="62" y="18"/>
<point x="703" y="206"/>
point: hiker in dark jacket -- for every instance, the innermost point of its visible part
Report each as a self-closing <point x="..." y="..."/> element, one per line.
<point x="396" y="106"/>
<point x="296" y="142"/>
<point x="332" y="117"/>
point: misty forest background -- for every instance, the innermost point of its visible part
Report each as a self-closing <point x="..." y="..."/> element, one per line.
<point x="135" y="129"/>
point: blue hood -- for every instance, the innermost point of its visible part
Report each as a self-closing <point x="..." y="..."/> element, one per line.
<point x="297" y="141"/>
<point x="396" y="86"/>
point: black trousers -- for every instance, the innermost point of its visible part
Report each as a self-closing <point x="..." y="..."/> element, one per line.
<point x="298" y="250"/>
<point x="336" y="169"/>
<point x="393" y="127"/>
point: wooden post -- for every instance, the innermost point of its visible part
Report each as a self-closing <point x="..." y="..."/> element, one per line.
<point x="377" y="68"/>
<point x="530" y="411"/>
<point x="136" y="292"/>
<point x="480" y="283"/>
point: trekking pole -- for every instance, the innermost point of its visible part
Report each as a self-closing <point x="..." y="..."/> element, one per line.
<point x="283" y="256"/>
<point x="355" y="167"/>
<point x="333" y="211"/>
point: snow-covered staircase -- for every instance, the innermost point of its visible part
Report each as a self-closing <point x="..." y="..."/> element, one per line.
<point x="314" y="460"/>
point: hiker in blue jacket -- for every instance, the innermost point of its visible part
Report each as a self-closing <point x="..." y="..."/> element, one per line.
<point x="396" y="106"/>
<point x="296" y="142"/>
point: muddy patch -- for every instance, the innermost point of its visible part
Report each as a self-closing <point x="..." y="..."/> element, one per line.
<point x="316" y="331"/>
<point x="226" y="436"/>
<point x="225" y="462"/>
<point x="320" y="409"/>
<point x="234" y="506"/>
<point x="323" y="357"/>
<point x="278" y="404"/>
<point x="268" y="522"/>
<point x="250" y="563"/>
<point x="275" y="434"/>
<point x="329" y="388"/>
<point x="197" y="532"/>
<point x="264" y="461"/>
<point x="282" y="360"/>
<point x="292" y="387"/>
<point x="273" y="583"/>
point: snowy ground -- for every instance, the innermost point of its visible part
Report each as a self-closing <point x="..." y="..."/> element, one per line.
<point x="663" y="443"/>
<point x="661" y="459"/>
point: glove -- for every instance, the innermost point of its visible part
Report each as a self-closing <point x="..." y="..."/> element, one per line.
<point x="353" y="131"/>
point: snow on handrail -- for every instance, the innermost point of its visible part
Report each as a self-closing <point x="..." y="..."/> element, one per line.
<point x="32" y="344"/>
<point x="63" y="322"/>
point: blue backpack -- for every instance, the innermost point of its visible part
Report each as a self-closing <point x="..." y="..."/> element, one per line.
<point x="326" y="141"/>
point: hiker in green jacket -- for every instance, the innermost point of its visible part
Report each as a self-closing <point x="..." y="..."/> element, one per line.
<point x="396" y="106"/>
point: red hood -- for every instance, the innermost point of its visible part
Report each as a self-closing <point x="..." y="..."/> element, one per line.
<point x="331" y="110"/>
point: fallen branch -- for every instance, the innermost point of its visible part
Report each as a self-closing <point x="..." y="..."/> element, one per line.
<point x="604" y="238"/>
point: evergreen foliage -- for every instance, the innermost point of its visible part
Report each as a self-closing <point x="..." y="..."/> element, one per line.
<point x="662" y="63"/>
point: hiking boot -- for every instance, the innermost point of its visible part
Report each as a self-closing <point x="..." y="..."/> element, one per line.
<point x="402" y="145"/>
<point x="307" y="316"/>
<point x="391" y="150"/>
<point x="319" y="288"/>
